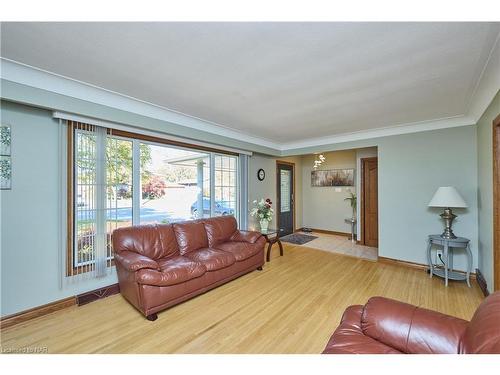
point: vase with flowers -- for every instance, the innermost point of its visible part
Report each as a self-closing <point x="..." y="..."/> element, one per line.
<point x="263" y="212"/>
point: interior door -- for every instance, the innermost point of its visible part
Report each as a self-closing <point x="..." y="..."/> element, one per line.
<point x="370" y="202"/>
<point x="285" y="192"/>
<point x="496" y="204"/>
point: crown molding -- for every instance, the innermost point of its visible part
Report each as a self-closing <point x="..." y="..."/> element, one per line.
<point x="34" y="77"/>
<point x="488" y="83"/>
<point x="485" y="89"/>
<point x="407" y="128"/>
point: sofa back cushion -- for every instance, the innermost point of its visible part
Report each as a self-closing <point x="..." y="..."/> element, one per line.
<point x="482" y="335"/>
<point x="145" y="240"/>
<point x="190" y="235"/>
<point x="411" y="329"/>
<point x="168" y="240"/>
<point x="220" y="229"/>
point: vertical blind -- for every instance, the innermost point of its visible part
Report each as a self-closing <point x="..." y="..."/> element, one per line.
<point x="91" y="254"/>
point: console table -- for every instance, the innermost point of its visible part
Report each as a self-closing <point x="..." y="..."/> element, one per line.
<point x="449" y="245"/>
<point x="352" y="222"/>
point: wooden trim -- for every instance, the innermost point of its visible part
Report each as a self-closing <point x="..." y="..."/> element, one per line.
<point x="36" y="312"/>
<point x="81" y="299"/>
<point x="149" y="138"/>
<point x="414" y="265"/>
<point x="481" y="281"/>
<point x="496" y="206"/>
<point x="70" y="203"/>
<point x="362" y="195"/>
<point x="335" y="233"/>
<point x="94" y="295"/>
<point x="278" y="162"/>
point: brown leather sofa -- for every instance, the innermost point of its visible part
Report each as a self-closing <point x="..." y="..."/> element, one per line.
<point x="385" y="326"/>
<point x="160" y="266"/>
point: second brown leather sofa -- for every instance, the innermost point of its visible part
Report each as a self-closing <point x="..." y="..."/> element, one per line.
<point x="386" y="326"/>
<point x="159" y="266"/>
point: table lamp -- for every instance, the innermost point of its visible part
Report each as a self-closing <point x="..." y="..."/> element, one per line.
<point x="447" y="197"/>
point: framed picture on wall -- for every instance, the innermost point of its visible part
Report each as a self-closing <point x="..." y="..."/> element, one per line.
<point x="332" y="177"/>
<point x="5" y="140"/>
<point x="5" y="172"/>
<point x="5" y="157"/>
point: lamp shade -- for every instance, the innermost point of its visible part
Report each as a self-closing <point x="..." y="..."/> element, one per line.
<point x="447" y="196"/>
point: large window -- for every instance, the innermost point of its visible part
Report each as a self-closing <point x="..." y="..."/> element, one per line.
<point x="121" y="179"/>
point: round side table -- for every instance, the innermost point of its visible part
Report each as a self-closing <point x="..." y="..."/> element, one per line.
<point x="449" y="244"/>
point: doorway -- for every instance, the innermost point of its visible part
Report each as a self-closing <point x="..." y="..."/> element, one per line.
<point x="369" y="202"/>
<point x="496" y="203"/>
<point x="285" y="190"/>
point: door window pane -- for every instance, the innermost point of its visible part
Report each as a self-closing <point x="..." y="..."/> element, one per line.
<point x="285" y="180"/>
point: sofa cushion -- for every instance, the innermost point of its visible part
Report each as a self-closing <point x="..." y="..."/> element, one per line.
<point x="168" y="240"/>
<point x="173" y="271"/>
<point x="141" y="239"/>
<point x="411" y="329"/>
<point x="348" y="338"/>
<point x="220" y="229"/>
<point x="212" y="259"/>
<point x="190" y="235"/>
<point x="241" y="250"/>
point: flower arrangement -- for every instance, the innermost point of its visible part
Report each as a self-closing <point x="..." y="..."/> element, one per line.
<point x="263" y="212"/>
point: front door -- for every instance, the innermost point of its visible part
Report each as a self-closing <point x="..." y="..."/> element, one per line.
<point x="370" y="201"/>
<point x="285" y="192"/>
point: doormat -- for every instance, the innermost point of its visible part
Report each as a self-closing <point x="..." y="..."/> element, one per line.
<point x="298" y="239"/>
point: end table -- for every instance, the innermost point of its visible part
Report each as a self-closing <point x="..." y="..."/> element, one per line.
<point x="449" y="244"/>
<point x="272" y="236"/>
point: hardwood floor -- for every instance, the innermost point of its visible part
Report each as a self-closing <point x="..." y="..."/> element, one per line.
<point x="292" y="306"/>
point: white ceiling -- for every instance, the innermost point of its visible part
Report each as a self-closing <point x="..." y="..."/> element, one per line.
<point x="283" y="82"/>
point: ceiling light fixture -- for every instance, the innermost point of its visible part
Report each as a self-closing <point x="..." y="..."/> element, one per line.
<point x="318" y="160"/>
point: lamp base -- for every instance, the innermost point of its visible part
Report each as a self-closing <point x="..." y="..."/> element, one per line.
<point x="448" y="218"/>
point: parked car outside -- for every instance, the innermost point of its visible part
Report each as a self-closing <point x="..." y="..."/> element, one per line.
<point x="220" y="208"/>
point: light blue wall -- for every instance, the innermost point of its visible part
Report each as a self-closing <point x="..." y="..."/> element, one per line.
<point x="411" y="168"/>
<point x="29" y="215"/>
<point x="485" y="190"/>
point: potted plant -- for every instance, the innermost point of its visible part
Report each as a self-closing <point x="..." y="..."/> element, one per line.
<point x="353" y="201"/>
<point x="263" y="212"/>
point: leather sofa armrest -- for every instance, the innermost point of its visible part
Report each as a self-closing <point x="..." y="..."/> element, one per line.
<point x="152" y="277"/>
<point x="245" y="236"/>
<point x="133" y="262"/>
<point x="411" y="329"/>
